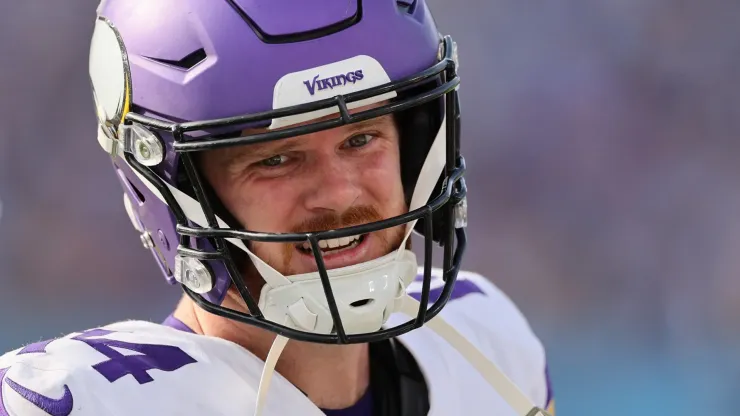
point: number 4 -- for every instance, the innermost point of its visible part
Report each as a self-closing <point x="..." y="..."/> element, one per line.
<point x="151" y="356"/>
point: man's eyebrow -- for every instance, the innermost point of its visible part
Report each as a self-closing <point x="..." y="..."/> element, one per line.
<point x="376" y="122"/>
<point x="264" y="150"/>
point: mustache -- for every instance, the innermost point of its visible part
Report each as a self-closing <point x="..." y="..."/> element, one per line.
<point x="358" y="215"/>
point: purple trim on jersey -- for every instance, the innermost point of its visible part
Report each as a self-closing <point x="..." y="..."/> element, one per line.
<point x="549" y="386"/>
<point x="462" y="288"/>
<point x="173" y="322"/>
<point x="35" y="347"/>
<point x="55" y="407"/>
<point x="363" y="407"/>
<point x="3" y="410"/>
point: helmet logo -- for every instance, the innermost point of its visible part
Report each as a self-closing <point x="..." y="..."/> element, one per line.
<point x="331" y="82"/>
<point x="110" y="75"/>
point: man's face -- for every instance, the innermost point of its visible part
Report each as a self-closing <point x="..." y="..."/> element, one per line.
<point x="332" y="179"/>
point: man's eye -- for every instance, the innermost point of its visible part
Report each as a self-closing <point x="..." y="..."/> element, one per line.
<point x="276" y="160"/>
<point x="359" y="140"/>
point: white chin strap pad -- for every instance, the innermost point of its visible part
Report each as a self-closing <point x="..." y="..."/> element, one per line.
<point x="376" y="289"/>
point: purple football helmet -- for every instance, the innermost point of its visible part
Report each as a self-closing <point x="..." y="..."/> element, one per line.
<point x="175" y="77"/>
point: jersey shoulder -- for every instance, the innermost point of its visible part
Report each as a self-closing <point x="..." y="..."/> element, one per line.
<point x="78" y="373"/>
<point x="135" y="367"/>
<point x="490" y="319"/>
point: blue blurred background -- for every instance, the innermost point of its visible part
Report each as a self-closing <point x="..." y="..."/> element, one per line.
<point x="602" y="142"/>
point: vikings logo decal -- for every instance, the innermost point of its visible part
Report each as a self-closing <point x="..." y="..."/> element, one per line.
<point x="110" y="76"/>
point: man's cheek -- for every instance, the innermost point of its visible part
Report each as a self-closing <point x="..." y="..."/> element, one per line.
<point x="270" y="253"/>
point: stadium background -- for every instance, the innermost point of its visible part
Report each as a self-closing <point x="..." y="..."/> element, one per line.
<point x="602" y="141"/>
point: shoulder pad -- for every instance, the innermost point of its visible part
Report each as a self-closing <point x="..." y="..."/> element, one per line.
<point x="69" y="374"/>
<point x="493" y="322"/>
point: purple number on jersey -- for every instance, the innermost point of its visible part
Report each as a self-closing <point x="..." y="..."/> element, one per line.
<point x="151" y="356"/>
<point x="36" y="347"/>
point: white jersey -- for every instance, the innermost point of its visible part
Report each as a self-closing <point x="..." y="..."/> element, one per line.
<point x="142" y="368"/>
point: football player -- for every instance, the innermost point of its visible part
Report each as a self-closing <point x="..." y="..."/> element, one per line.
<point x="275" y="157"/>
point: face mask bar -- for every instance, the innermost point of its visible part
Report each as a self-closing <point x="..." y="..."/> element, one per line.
<point x="451" y="196"/>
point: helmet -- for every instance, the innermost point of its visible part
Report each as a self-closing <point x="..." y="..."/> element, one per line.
<point x="172" y="78"/>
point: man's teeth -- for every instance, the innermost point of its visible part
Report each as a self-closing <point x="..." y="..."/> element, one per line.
<point x="334" y="243"/>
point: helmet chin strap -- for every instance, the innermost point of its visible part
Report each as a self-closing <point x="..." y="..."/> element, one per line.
<point x="267" y="371"/>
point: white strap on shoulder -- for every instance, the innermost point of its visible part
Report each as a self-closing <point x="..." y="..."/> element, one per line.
<point x="267" y="371"/>
<point x="490" y="372"/>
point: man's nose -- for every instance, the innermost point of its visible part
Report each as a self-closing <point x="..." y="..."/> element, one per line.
<point x="335" y="186"/>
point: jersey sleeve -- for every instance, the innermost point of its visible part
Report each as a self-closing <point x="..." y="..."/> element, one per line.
<point x="550" y="399"/>
<point x="84" y="374"/>
<point x="29" y="386"/>
<point x="140" y="368"/>
<point x="504" y="331"/>
<point x="493" y="322"/>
